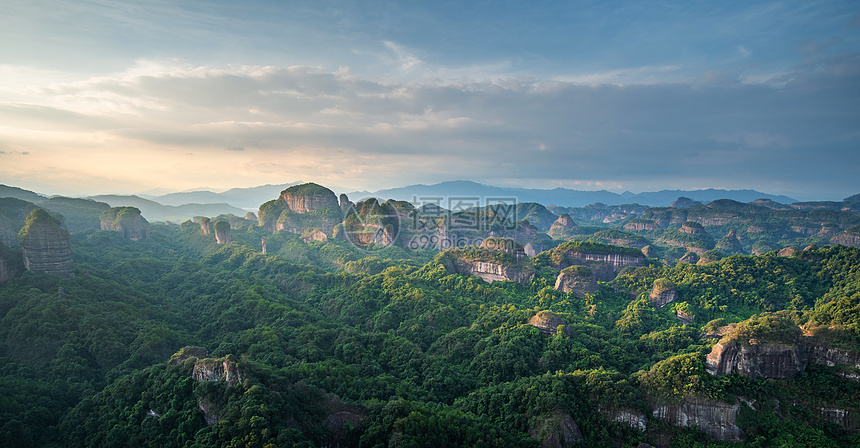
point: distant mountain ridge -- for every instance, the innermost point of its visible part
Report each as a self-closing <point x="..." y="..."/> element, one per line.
<point x="562" y="196"/>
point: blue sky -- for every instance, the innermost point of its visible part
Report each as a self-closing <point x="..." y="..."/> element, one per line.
<point x="104" y="96"/>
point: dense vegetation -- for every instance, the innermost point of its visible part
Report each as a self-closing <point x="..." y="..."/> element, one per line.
<point x="404" y="351"/>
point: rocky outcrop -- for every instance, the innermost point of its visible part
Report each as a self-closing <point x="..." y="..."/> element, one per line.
<point x="649" y="251"/>
<point x="634" y="419"/>
<point x="557" y="430"/>
<point x="127" y="221"/>
<point x="847" y="419"/>
<point x="206" y="226"/>
<point x="757" y="359"/>
<point x="46" y="246"/>
<point x="215" y="369"/>
<point x="548" y="322"/>
<point x="250" y="216"/>
<point x="730" y="244"/>
<point x="576" y="279"/>
<point x="491" y="271"/>
<point x="662" y="292"/>
<point x="850" y="237"/>
<point x="692" y="228"/>
<point x="715" y="418"/>
<point x="788" y="251"/>
<point x="822" y="353"/>
<point x="564" y="227"/>
<point x="345" y="203"/>
<point x="309" y="197"/>
<point x="222" y="232"/>
<point x="641" y="224"/>
<point x="314" y="235"/>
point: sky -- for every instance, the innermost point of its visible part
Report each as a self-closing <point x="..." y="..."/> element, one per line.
<point x="159" y="96"/>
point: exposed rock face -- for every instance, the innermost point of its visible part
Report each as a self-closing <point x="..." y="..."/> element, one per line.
<point x="847" y="419"/>
<point x="213" y="369"/>
<point x="563" y="227"/>
<point x="46" y="246"/>
<point x="787" y="252"/>
<point x="345" y="203"/>
<point x="127" y="221"/>
<point x="683" y="202"/>
<point x="684" y="317"/>
<point x="576" y="279"/>
<point x="11" y="263"/>
<point x="663" y="292"/>
<point x="715" y="418"/>
<point x="641" y="224"/>
<point x="210" y="414"/>
<point x="846" y="238"/>
<point x="314" y="235"/>
<point x="832" y="356"/>
<point x="548" y="322"/>
<point x="692" y="228"/>
<point x="250" y="216"/>
<point x="629" y="417"/>
<point x="557" y="431"/>
<point x="206" y="226"/>
<point x="759" y="360"/>
<point x="308" y="198"/>
<point x="492" y="272"/>
<point x="649" y="251"/>
<point x="222" y="232"/>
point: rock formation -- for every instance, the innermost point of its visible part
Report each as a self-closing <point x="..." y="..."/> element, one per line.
<point x="46" y="246"/>
<point x="692" y="228"/>
<point x="127" y="221"/>
<point x="576" y="279"/>
<point x="850" y="237"/>
<point x="206" y="226"/>
<point x="563" y="227"/>
<point x="788" y="251"/>
<point x="250" y="216"/>
<point x="214" y="369"/>
<point x="301" y="207"/>
<point x="662" y="292"/>
<point x="222" y="232"/>
<point x="757" y="359"/>
<point x="641" y="224"/>
<point x="634" y="419"/>
<point x="308" y="198"/>
<point x="314" y="235"/>
<point x="649" y="251"/>
<point x="715" y="418"/>
<point x="497" y="259"/>
<point x="597" y="256"/>
<point x="548" y="322"/>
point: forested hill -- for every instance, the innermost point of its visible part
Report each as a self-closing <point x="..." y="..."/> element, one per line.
<point x="321" y="343"/>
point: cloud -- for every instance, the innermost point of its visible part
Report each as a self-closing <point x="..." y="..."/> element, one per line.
<point x="306" y="122"/>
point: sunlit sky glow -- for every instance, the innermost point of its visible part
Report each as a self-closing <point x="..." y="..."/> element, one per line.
<point x="125" y="97"/>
